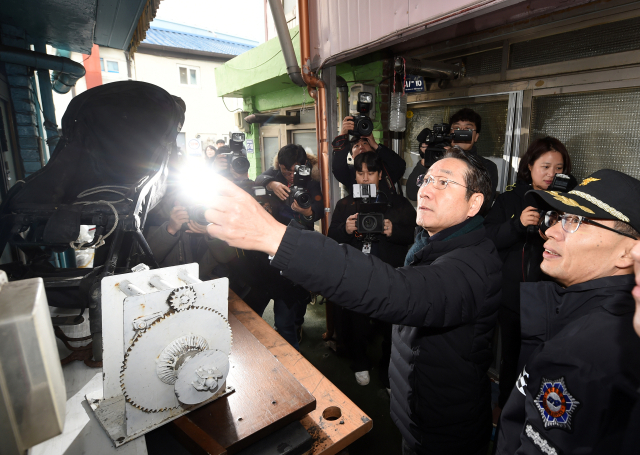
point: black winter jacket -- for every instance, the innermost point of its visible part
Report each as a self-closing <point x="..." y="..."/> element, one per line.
<point x="391" y="250"/>
<point x="504" y="228"/>
<point x="431" y="157"/>
<point x="581" y="368"/>
<point x="283" y="211"/>
<point x="345" y="173"/>
<point x="444" y="304"/>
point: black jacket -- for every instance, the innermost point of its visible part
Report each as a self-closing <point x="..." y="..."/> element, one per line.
<point x="391" y="250"/>
<point x="444" y="304"/>
<point x="579" y="383"/>
<point x="345" y="173"/>
<point x="431" y="157"/>
<point x="504" y="228"/>
<point x="283" y="211"/>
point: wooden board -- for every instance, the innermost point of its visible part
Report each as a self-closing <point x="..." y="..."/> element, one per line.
<point x="330" y="436"/>
<point x="267" y="397"/>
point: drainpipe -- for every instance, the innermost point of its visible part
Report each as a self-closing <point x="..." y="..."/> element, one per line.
<point x="312" y="82"/>
<point x="293" y="69"/>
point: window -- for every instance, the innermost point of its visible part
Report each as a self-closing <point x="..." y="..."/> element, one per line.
<point x="189" y="75"/>
<point x="111" y="66"/>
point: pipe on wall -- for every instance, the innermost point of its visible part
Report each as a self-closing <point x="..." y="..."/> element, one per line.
<point x="293" y="69"/>
<point x="66" y="70"/>
<point x="431" y="69"/>
<point x="312" y="81"/>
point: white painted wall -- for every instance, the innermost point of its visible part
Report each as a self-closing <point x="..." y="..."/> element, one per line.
<point x="207" y="119"/>
<point x="206" y="116"/>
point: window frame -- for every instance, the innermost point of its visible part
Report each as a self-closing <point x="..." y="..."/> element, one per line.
<point x="188" y="68"/>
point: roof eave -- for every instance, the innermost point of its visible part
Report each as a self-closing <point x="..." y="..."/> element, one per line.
<point x="168" y="51"/>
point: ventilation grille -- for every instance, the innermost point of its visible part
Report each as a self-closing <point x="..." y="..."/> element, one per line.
<point x="599" y="129"/>
<point x="601" y="39"/>
<point x="488" y="62"/>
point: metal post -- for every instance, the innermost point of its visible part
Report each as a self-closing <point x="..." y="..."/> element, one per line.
<point x="46" y="93"/>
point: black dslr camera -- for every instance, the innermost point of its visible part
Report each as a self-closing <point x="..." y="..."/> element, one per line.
<point x="362" y="124"/>
<point x="298" y="192"/>
<point x="370" y="213"/>
<point x="237" y="158"/>
<point x="441" y="136"/>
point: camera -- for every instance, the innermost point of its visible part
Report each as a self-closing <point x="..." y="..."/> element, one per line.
<point x="298" y="192"/>
<point x="237" y="158"/>
<point x="196" y="213"/>
<point x="370" y="214"/>
<point x="362" y="124"/>
<point x="561" y="182"/>
<point x="441" y="136"/>
<point x="364" y="191"/>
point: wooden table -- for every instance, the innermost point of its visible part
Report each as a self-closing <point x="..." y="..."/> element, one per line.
<point x="334" y="424"/>
<point x="330" y="436"/>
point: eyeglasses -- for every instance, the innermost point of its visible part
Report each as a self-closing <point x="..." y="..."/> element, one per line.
<point x="571" y="223"/>
<point x="439" y="183"/>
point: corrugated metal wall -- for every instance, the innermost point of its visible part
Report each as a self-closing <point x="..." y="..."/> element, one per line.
<point x="338" y="25"/>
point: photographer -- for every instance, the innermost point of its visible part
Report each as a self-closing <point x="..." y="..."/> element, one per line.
<point x="443" y="302"/>
<point x="465" y="119"/>
<point x="506" y="225"/>
<point x="391" y="246"/>
<point x="181" y="240"/>
<point x="393" y="165"/>
<point x="280" y="179"/>
<point x="289" y="300"/>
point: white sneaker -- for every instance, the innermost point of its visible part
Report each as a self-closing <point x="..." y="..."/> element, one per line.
<point x="362" y="377"/>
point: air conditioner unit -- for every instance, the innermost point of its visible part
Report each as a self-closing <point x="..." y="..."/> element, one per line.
<point x="241" y="122"/>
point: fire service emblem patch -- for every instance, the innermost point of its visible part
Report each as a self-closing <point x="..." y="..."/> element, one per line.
<point x="555" y="403"/>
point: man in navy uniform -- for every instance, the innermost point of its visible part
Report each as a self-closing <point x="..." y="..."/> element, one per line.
<point x="580" y="357"/>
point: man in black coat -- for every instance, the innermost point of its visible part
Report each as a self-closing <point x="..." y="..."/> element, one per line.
<point x="290" y="301"/>
<point x="464" y="119"/>
<point x="580" y="362"/>
<point x="393" y="164"/>
<point x="391" y="246"/>
<point x="443" y="303"/>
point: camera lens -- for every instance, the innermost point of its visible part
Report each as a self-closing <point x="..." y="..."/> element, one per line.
<point x="303" y="199"/>
<point x="364" y="127"/>
<point x="369" y="223"/>
<point x="240" y="164"/>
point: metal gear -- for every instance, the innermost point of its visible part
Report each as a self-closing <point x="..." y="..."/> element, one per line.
<point x="141" y="386"/>
<point x="182" y="298"/>
<point x="166" y="364"/>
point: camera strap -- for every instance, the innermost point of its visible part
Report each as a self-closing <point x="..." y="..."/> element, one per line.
<point x="387" y="178"/>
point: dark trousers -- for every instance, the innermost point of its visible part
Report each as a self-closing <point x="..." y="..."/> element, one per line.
<point x="353" y="332"/>
<point x="510" y="336"/>
<point x="406" y="450"/>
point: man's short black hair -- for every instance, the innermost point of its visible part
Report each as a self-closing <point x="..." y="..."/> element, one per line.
<point x="626" y="229"/>
<point x="467" y="115"/>
<point x="220" y="141"/>
<point x="477" y="178"/>
<point x="371" y="159"/>
<point x="292" y="154"/>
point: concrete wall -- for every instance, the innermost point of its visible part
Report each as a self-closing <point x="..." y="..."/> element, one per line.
<point x="206" y="114"/>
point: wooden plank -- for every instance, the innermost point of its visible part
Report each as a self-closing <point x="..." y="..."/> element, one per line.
<point x="330" y="436"/>
<point x="267" y="397"/>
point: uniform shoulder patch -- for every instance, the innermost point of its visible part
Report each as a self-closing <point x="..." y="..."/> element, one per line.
<point x="537" y="439"/>
<point x="555" y="404"/>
